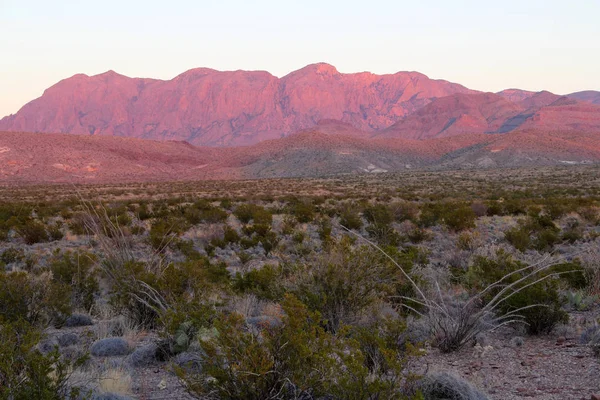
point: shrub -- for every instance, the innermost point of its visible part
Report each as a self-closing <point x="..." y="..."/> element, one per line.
<point x="303" y="210"/>
<point x="519" y="238"/>
<point x="35" y="299"/>
<point x="164" y="231"/>
<point x="459" y="217"/>
<point x="345" y="282"/>
<point x="11" y="255"/>
<point x="78" y="272"/>
<point x="350" y="217"/>
<point x="252" y="212"/>
<point x="297" y="358"/>
<point x="536" y="300"/>
<point x="378" y="214"/>
<point x="262" y="282"/>
<point x="572" y="273"/>
<point x="203" y="211"/>
<point x="591" y="337"/>
<point x="26" y="373"/>
<point x="55" y="232"/>
<point x="33" y="232"/>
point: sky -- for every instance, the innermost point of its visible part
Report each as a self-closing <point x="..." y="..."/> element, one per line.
<point x="484" y="45"/>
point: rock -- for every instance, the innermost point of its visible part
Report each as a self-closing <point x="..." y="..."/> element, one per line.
<point x="143" y="356"/>
<point x="190" y="362"/>
<point x="443" y="386"/>
<point x="67" y="339"/>
<point x="75" y="320"/>
<point x="46" y="346"/>
<point x="110" y="347"/>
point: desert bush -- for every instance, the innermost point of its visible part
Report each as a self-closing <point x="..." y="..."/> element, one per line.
<point x="164" y="231"/>
<point x="26" y="373"/>
<point x="379" y="214"/>
<point x="252" y="212"/>
<point x="78" y="272"/>
<point x="304" y="210"/>
<point x="262" y="282"/>
<point x="203" y="211"/>
<point x="591" y="337"/>
<point x="572" y="273"/>
<point x="350" y="217"/>
<point x="535" y="296"/>
<point x="35" y="299"/>
<point x="455" y="216"/>
<point x="519" y="238"/>
<point x="459" y="217"/>
<point x="404" y="210"/>
<point x="297" y="358"/>
<point x="55" y="231"/>
<point x="12" y="255"/>
<point x="479" y="208"/>
<point x="344" y="282"/>
<point x="33" y="232"/>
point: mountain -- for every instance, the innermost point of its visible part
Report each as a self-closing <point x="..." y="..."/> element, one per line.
<point x="492" y="113"/>
<point x="214" y="108"/>
<point x="60" y="158"/>
<point x="591" y="96"/>
<point x="454" y="115"/>
<point x="515" y="95"/>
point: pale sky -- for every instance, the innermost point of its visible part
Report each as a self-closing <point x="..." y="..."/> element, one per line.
<point x="484" y="45"/>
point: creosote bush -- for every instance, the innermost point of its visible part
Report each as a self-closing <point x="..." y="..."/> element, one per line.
<point x="297" y="358"/>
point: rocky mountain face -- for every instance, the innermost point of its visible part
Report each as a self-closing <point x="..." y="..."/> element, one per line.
<point x="214" y="108"/>
<point x="494" y="114"/>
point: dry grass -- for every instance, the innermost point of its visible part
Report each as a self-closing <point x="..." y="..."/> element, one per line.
<point x="115" y="380"/>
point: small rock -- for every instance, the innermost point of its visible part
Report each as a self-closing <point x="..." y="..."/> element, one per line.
<point x="110" y="347"/>
<point x="143" y="356"/>
<point x="68" y="339"/>
<point x="78" y="320"/>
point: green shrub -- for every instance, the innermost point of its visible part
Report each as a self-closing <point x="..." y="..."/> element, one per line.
<point x="539" y="303"/>
<point x="35" y="299"/>
<point x="252" y="212"/>
<point x="33" y="232"/>
<point x="77" y="271"/>
<point x="519" y="238"/>
<point x="11" y="255"/>
<point x="379" y="214"/>
<point x="262" y="282"/>
<point x="294" y="359"/>
<point x="573" y="273"/>
<point x="350" y="217"/>
<point x="459" y="217"/>
<point x="164" y="231"/>
<point x="26" y="373"/>
<point x="303" y="210"/>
